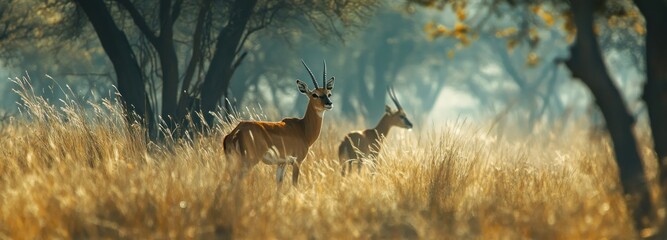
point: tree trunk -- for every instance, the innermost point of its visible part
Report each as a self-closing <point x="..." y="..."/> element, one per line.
<point x="381" y="62"/>
<point x="222" y="66"/>
<point x="586" y="63"/>
<point x="170" y="80"/>
<point x="353" y="89"/>
<point x="655" y="88"/>
<point x="128" y="74"/>
<point x="186" y="97"/>
<point x="168" y="63"/>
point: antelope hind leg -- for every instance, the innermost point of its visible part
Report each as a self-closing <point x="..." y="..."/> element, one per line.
<point x="280" y="173"/>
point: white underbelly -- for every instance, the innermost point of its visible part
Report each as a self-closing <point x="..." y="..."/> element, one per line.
<point x="272" y="157"/>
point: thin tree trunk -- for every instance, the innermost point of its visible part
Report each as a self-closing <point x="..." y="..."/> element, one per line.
<point x="222" y="66"/>
<point x="586" y="63"/>
<point x="128" y="74"/>
<point x="352" y="90"/>
<point x="168" y="62"/>
<point x="380" y="67"/>
<point x="170" y="80"/>
<point x="164" y="46"/>
<point x="186" y="98"/>
<point x="655" y="88"/>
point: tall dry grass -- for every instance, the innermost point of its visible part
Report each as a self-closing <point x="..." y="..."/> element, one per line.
<point x="73" y="173"/>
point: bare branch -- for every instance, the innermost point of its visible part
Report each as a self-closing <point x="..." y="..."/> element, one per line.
<point x="139" y="20"/>
<point x="165" y="19"/>
<point x="176" y="11"/>
<point x="197" y="41"/>
<point x="239" y="60"/>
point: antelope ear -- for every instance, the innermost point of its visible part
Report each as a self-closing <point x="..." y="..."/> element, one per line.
<point x="330" y="83"/>
<point x="303" y="87"/>
<point x="387" y="109"/>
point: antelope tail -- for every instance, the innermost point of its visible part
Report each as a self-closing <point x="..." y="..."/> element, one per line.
<point x="231" y="143"/>
<point x="225" y="144"/>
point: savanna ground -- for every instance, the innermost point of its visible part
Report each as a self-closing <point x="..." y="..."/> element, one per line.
<point x="70" y="173"/>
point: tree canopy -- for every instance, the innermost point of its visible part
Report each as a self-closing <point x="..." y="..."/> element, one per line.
<point x="170" y="58"/>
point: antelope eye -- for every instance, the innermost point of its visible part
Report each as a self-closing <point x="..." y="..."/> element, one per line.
<point x="315" y="95"/>
<point x="329" y="95"/>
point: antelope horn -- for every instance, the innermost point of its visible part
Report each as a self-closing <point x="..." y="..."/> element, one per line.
<point x="311" y="73"/>
<point x="392" y="95"/>
<point x="324" y="74"/>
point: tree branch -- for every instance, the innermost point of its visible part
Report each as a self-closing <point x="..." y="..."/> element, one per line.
<point x="4" y="34"/>
<point x="165" y="18"/>
<point x="139" y="20"/>
<point x="239" y="60"/>
<point x="196" y="45"/>
<point x="176" y="11"/>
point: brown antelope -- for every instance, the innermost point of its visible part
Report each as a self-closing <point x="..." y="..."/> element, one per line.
<point x="367" y="143"/>
<point x="284" y="142"/>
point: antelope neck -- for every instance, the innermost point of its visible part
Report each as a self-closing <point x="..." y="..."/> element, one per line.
<point x="312" y="122"/>
<point x="383" y="126"/>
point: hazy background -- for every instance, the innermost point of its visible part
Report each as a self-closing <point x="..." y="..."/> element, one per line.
<point x="437" y="80"/>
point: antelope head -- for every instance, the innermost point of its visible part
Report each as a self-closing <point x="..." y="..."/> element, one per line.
<point x="318" y="97"/>
<point x="396" y="118"/>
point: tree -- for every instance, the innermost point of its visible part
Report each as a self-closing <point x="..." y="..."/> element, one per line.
<point x="586" y="63"/>
<point x="33" y="41"/>
<point x="128" y="73"/>
<point x="176" y="57"/>
<point x="655" y="88"/>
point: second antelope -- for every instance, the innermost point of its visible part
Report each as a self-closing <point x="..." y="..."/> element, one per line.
<point x="367" y="143"/>
<point x="284" y="142"/>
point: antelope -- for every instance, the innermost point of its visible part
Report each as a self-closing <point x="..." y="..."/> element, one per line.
<point x="367" y="143"/>
<point x="284" y="142"/>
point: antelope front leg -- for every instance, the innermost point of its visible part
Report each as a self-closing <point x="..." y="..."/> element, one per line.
<point x="280" y="173"/>
<point x="295" y="173"/>
<point x="342" y="172"/>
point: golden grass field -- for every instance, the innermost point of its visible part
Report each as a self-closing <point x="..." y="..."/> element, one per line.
<point x="69" y="173"/>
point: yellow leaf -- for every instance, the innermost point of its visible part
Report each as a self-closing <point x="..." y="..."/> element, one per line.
<point x="532" y="59"/>
<point x="430" y="30"/>
<point x="460" y="14"/>
<point x="506" y="32"/>
<point x="512" y="43"/>
<point x="634" y="14"/>
<point x="442" y="30"/>
<point x="570" y="38"/>
<point x="639" y="28"/>
<point x="460" y="28"/>
<point x="622" y="24"/>
<point x="547" y="17"/>
<point x="451" y="53"/>
<point x="464" y="40"/>
<point x="570" y="28"/>
<point x="613" y="21"/>
<point x="535" y="9"/>
<point x="532" y="33"/>
<point x="428" y="27"/>
<point x="596" y="29"/>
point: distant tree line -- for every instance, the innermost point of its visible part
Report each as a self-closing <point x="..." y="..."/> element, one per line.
<point x="172" y="58"/>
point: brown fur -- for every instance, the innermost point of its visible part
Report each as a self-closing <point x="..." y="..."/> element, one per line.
<point x="359" y="144"/>
<point x="251" y="141"/>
